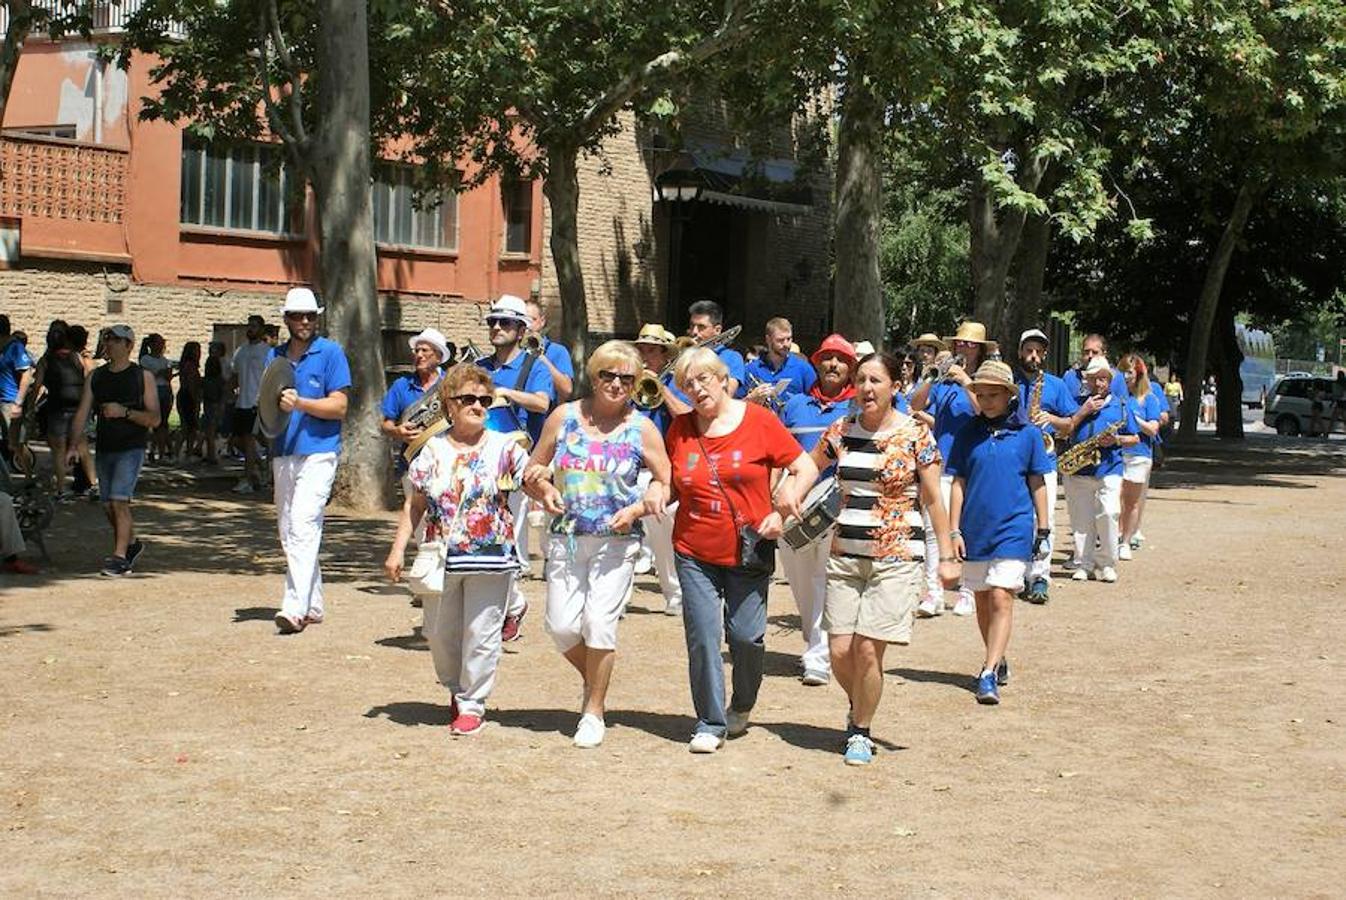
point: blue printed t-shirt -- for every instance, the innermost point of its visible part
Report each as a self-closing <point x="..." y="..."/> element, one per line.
<point x="733" y="360"/>
<point x="14" y="360"/>
<point x="1139" y="408"/>
<point x="795" y="368"/>
<point x="1110" y="458"/>
<point x="596" y="476"/>
<point x="320" y="371"/>
<point x="807" y="418"/>
<point x="1056" y="397"/>
<point x="995" y="460"/>
<point x="513" y="417"/>
<point x="1075" y="384"/>
<point x="660" y="415"/>
<point x="404" y="392"/>
<point x="949" y="403"/>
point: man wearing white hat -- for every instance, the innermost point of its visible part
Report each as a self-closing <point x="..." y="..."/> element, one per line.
<point x="429" y="350"/>
<point x="1055" y="417"/>
<point x="304" y="457"/>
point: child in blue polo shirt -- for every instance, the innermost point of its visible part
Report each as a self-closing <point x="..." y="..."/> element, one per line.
<point x="997" y="462"/>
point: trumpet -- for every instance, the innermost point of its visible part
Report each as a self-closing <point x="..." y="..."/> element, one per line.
<point x="532" y="343"/>
<point x="943" y="364"/>
<point x="648" y="392"/>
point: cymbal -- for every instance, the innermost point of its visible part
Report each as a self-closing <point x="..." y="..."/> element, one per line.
<point x="278" y="377"/>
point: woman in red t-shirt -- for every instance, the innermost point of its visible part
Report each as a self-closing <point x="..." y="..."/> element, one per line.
<point x="723" y="453"/>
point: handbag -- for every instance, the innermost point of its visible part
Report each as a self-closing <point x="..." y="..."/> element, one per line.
<point x="426" y="576"/>
<point x="756" y="554"/>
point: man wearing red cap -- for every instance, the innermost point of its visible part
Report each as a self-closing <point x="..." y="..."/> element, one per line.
<point x="807" y="416"/>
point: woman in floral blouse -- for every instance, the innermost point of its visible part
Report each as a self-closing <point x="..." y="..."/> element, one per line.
<point x="463" y="479"/>
<point x="884" y="459"/>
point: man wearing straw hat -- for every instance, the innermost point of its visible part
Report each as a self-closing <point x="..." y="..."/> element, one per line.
<point x="952" y="404"/>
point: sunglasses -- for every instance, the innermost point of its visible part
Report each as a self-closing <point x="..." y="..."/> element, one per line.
<point x="485" y="400"/>
<point x="502" y="323"/>
<point x="608" y="377"/>
<point x="302" y="316"/>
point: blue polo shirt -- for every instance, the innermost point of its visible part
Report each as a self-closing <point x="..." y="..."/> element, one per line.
<point x="660" y="415"/>
<point x="806" y="418"/>
<point x="516" y="418"/>
<point x="795" y="368"/>
<point x="1146" y="408"/>
<point x="1110" y="458"/>
<point x="734" y="361"/>
<point x="1075" y="384"/>
<point x="1056" y="398"/>
<point x="320" y="371"/>
<point x="995" y="460"/>
<point x="404" y="392"/>
<point x="952" y="408"/>
<point x="558" y="356"/>
<point x="14" y="361"/>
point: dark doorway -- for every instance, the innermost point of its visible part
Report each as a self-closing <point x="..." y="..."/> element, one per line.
<point x="709" y="255"/>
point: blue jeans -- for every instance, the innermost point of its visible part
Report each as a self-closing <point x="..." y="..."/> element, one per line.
<point x="117" y="473"/>
<point x="708" y="591"/>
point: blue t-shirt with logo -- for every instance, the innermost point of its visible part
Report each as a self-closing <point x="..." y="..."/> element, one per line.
<point x="1146" y="408"/>
<point x="14" y="361"/>
<point x="513" y="417"/>
<point x="794" y="368"/>
<point x="320" y="371"/>
<point x="1110" y="458"/>
<point x="995" y="460"/>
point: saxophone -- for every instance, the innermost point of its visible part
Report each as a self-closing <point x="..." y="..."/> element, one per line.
<point x="1087" y="452"/>
<point x="1035" y="407"/>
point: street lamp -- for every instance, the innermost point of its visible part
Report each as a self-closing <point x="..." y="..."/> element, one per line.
<point x="678" y="185"/>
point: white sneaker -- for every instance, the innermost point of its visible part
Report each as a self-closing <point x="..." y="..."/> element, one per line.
<point x="1080" y="574"/>
<point x="673" y="609"/>
<point x="644" y="562"/>
<point x="930" y="606"/>
<point x="816" y="677"/>
<point x="737" y="722"/>
<point x="590" y="732"/>
<point x="966" y="604"/>
<point x="1124" y="551"/>
<point x="1108" y="574"/>
<point x="705" y="742"/>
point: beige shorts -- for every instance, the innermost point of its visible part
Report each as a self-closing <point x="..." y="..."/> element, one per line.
<point x="872" y="598"/>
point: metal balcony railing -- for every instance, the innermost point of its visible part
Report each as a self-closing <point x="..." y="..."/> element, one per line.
<point x="109" y="16"/>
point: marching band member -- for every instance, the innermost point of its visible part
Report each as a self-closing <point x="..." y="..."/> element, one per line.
<point x="461" y="482"/>
<point x="429" y="351"/>
<point x="1055" y="415"/>
<point x="723" y="454"/>
<point x="953" y="406"/>
<point x="1142" y="402"/>
<point x="556" y="357"/>
<point x="1093" y="345"/>
<point x="998" y="462"/>
<point x="1093" y="494"/>
<point x="527" y="392"/>
<point x="1166" y="415"/>
<point x="657" y="347"/>
<point x="925" y="350"/>
<point x="807" y="416"/>
<point x="585" y="472"/>
<point x="304" y="458"/>
<point x="875" y="573"/>
<point x="706" y="320"/>
<point x="779" y="363"/>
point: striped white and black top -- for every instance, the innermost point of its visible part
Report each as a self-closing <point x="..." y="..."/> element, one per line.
<point x="877" y="472"/>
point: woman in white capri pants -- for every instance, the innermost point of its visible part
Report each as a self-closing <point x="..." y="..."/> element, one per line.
<point x="1138" y="459"/>
<point x="463" y="480"/>
<point x="584" y="471"/>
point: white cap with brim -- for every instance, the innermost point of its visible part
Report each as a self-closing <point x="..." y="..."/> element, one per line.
<point x="300" y="300"/>
<point x="434" y="338"/>
<point x="1033" y="334"/>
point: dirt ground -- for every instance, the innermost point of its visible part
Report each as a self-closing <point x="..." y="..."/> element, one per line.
<point x="1179" y="733"/>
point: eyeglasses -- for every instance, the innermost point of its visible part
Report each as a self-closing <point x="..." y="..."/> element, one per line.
<point x="302" y="316"/>
<point x="702" y="379"/>
<point x="468" y="399"/>
<point x="508" y="324"/>
<point x="608" y="377"/>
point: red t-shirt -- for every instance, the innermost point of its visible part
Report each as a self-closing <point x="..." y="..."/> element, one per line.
<point x="704" y="528"/>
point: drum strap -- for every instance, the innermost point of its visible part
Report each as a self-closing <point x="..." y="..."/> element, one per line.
<point x="524" y="371"/>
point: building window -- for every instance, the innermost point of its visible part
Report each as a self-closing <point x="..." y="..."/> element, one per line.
<point x="56" y="131"/>
<point x="398" y="222"/>
<point x="243" y="188"/>
<point x="517" y="200"/>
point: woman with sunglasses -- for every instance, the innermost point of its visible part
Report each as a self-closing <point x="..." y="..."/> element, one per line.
<point x="463" y="479"/>
<point x="723" y="454"/>
<point x="584" y="472"/>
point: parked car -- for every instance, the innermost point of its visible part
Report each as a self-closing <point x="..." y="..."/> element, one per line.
<point x="1289" y="407"/>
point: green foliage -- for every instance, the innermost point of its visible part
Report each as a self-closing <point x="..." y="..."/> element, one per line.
<point x="923" y="261"/>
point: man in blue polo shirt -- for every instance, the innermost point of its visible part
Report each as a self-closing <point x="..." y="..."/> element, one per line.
<point x="776" y="365"/>
<point x="1054" y="417"/>
<point x="304" y="457"/>
<point x="806" y="416"/>
<point x="16" y="372"/>
<point x="524" y="393"/>
<point x="555" y="357"/>
<point x="429" y="349"/>
<point x="705" y="320"/>
<point x="1093" y="345"/>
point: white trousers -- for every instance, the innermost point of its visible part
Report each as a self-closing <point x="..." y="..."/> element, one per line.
<point x="1095" y="505"/>
<point x="588" y="581"/>
<point x="806" y="570"/>
<point x="1042" y="568"/>
<point x="659" y="542"/>
<point x="519" y="505"/>
<point x="462" y="627"/>
<point x="11" y="538"/>
<point x="302" y="485"/>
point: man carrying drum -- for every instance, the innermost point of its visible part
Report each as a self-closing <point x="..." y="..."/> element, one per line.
<point x="429" y="350"/>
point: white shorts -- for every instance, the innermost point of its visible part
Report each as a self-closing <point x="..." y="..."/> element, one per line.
<point x="1136" y="469"/>
<point x="985" y="574"/>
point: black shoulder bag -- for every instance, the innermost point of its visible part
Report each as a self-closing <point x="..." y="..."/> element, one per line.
<point x="756" y="554"/>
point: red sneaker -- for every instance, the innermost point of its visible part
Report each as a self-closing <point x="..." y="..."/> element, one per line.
<point x="23" y="567"/>
<point x="511" y="632"/>
<point x="466" y="725"/>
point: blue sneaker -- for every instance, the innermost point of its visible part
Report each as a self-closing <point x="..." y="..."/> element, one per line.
<point x="1002" y="672"/>
<point x="987" y="692"/>
<point x="859" y="750"/>
<point x="1037" y="591"/>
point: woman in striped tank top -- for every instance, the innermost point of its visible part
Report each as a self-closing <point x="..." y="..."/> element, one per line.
<point x="885" y="461"/>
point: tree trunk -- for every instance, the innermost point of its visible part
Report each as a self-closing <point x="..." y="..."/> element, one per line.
<point x="1023" y="305"/>
<point x="562" y="189"/>
<point x="20" y="23"/>
<point x="995" y="242"/>
<point x="1227" y="357"/>
<point x="857" y="288"/>
<point x="347" y="268"/>
<point x="1208" y="305"/>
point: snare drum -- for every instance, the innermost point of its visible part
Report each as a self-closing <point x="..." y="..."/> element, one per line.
<point x="822" y="506"/>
